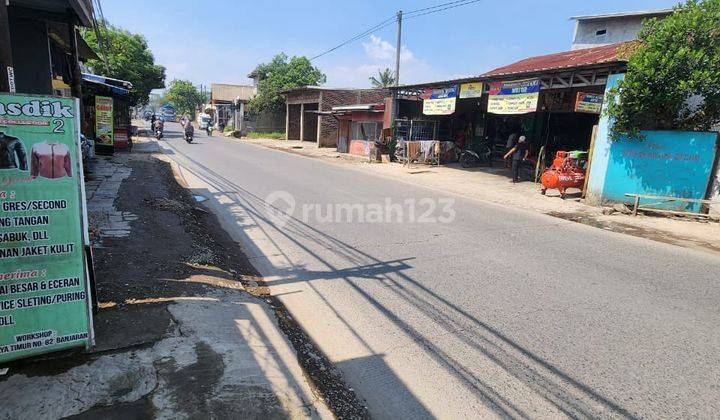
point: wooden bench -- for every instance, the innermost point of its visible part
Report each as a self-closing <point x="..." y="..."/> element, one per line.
<point x="637" y="206"/>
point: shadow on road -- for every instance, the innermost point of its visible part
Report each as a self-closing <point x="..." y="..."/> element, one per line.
<point x="547" y="381"/>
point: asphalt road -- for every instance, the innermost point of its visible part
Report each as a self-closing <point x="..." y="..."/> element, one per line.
<point x="498" y="312"/>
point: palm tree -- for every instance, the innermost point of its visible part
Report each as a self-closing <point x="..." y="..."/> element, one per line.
<point x="386" y="79"/>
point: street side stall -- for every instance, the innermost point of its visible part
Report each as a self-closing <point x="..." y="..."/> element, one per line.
<point x="106" y="113"/>
<point x="554" y="101"/>
<point x="360" y="130"/>
<point x="434" y="123"/>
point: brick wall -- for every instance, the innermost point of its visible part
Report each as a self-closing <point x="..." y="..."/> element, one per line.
<point x="300" y="96"/>
<point x="331" y="98"/>
<point x="293" y="122"/>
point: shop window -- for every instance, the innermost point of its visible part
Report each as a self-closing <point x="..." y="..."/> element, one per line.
<point x="601" y="32"/>
<point x="361" y="130"/>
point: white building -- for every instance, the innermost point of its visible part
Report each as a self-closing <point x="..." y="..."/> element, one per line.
<point x="596" y="30"/>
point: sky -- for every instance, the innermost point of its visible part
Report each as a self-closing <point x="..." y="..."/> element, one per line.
<point x="221" y="41"/>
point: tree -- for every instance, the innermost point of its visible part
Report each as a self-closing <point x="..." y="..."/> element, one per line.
<point x="184" y="97"/>
<point x="673" y="76"/>
<point x="280" y="74"/>
<point x="128" y="58"/>
<point x="386" y="78"/>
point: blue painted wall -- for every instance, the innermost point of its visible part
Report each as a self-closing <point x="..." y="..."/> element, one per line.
<point x="666" y="163"/>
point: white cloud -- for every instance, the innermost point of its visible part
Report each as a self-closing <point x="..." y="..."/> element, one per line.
<point x="379" y="55"/>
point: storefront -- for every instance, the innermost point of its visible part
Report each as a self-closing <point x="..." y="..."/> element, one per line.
<point x="554" y="100"/>
<point x="449" y="113"/>
<point x="360" y="130"/>
<point x="106" y="112"/>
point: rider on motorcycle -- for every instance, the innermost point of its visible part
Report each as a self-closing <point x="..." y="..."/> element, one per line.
<point x="159" y="125"/>
<point x="189" y="130"/>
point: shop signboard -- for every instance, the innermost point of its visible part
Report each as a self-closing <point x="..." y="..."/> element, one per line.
<point x="104" y="121"/>
<point x="516" y="97"/>
<point x="439" y="101"/>
<point x="43" y="284"/>
<point x="471" y="90"/>
<point x="588" y="102"/>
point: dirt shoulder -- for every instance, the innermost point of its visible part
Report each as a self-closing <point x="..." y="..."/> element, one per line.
<point x="178" y="334"/>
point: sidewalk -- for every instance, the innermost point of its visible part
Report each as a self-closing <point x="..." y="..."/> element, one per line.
<point x="492" y="185"/>
<point x="178" y="335"/>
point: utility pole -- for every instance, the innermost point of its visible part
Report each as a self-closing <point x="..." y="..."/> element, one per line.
<point x="397" y="48"/>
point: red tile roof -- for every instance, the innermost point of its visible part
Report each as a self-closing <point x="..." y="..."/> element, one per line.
<point x="563" y="60"/>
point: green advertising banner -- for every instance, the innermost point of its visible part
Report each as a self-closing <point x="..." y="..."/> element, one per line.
<point x="104" y="120"/>
<point x="43" y="283"/>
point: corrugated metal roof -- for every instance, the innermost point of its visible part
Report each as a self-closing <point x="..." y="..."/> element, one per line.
<point x="228" y="93"/>
<point x="563" y="60"/>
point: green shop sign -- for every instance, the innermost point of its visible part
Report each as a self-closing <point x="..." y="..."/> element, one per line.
<point x="44" y="304"/>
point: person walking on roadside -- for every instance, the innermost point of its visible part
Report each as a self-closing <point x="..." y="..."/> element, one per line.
<point x="511" y="141"/>
<point x="519" y="154"/>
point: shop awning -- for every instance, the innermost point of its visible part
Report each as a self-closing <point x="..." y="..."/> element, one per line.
<point x="358" y="107"/>
<point x="109" y="83"/>
<point x="60" y="34"/>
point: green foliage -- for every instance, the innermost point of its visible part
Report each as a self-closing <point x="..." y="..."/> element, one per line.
<point x="275" y="135"/>
<point x="184" y="96"/>
<point x="280" y="74"/>
<point x="128" y="58"/>
<point x="673" y="77"/>
<point x="386" y="78"/>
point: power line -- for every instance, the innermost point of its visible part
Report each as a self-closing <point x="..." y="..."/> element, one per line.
<point x="448" y="6"/>
<point x="409" y="15"/>
<point x="377" y="27"/>
<point x="433" y="7"/>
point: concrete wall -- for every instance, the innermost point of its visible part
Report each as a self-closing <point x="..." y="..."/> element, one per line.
<point x="663" y="163"/>
<point x="617" y="30"/>
<point x="715" y="192"/>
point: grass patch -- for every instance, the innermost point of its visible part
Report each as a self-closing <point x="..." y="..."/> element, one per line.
<point x="275" y="135"/>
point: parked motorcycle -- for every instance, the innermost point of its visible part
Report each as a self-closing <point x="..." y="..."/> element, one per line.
<point x="469" y="158"/>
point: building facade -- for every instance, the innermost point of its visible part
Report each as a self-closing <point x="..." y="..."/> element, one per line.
<point x="309" y="111"/>
<point x="598" y="30"/>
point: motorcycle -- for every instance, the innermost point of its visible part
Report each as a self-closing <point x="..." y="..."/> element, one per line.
<point x="209" y="130"/>
<point x="188" y="137"/>
<point x="158" y="133"/>
<point x="469" y="158"/>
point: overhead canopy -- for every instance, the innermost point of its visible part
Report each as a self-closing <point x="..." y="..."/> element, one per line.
<point x="83" y="9"/>
<point x="110" y="83"/>
<point x="60" y="34"/>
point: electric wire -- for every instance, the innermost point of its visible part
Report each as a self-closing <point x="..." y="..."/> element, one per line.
<point x="442" y="5"/>
<point x="449" y="6"/>
<point x="377" y="27"/>
<point x="409" y="15"/>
